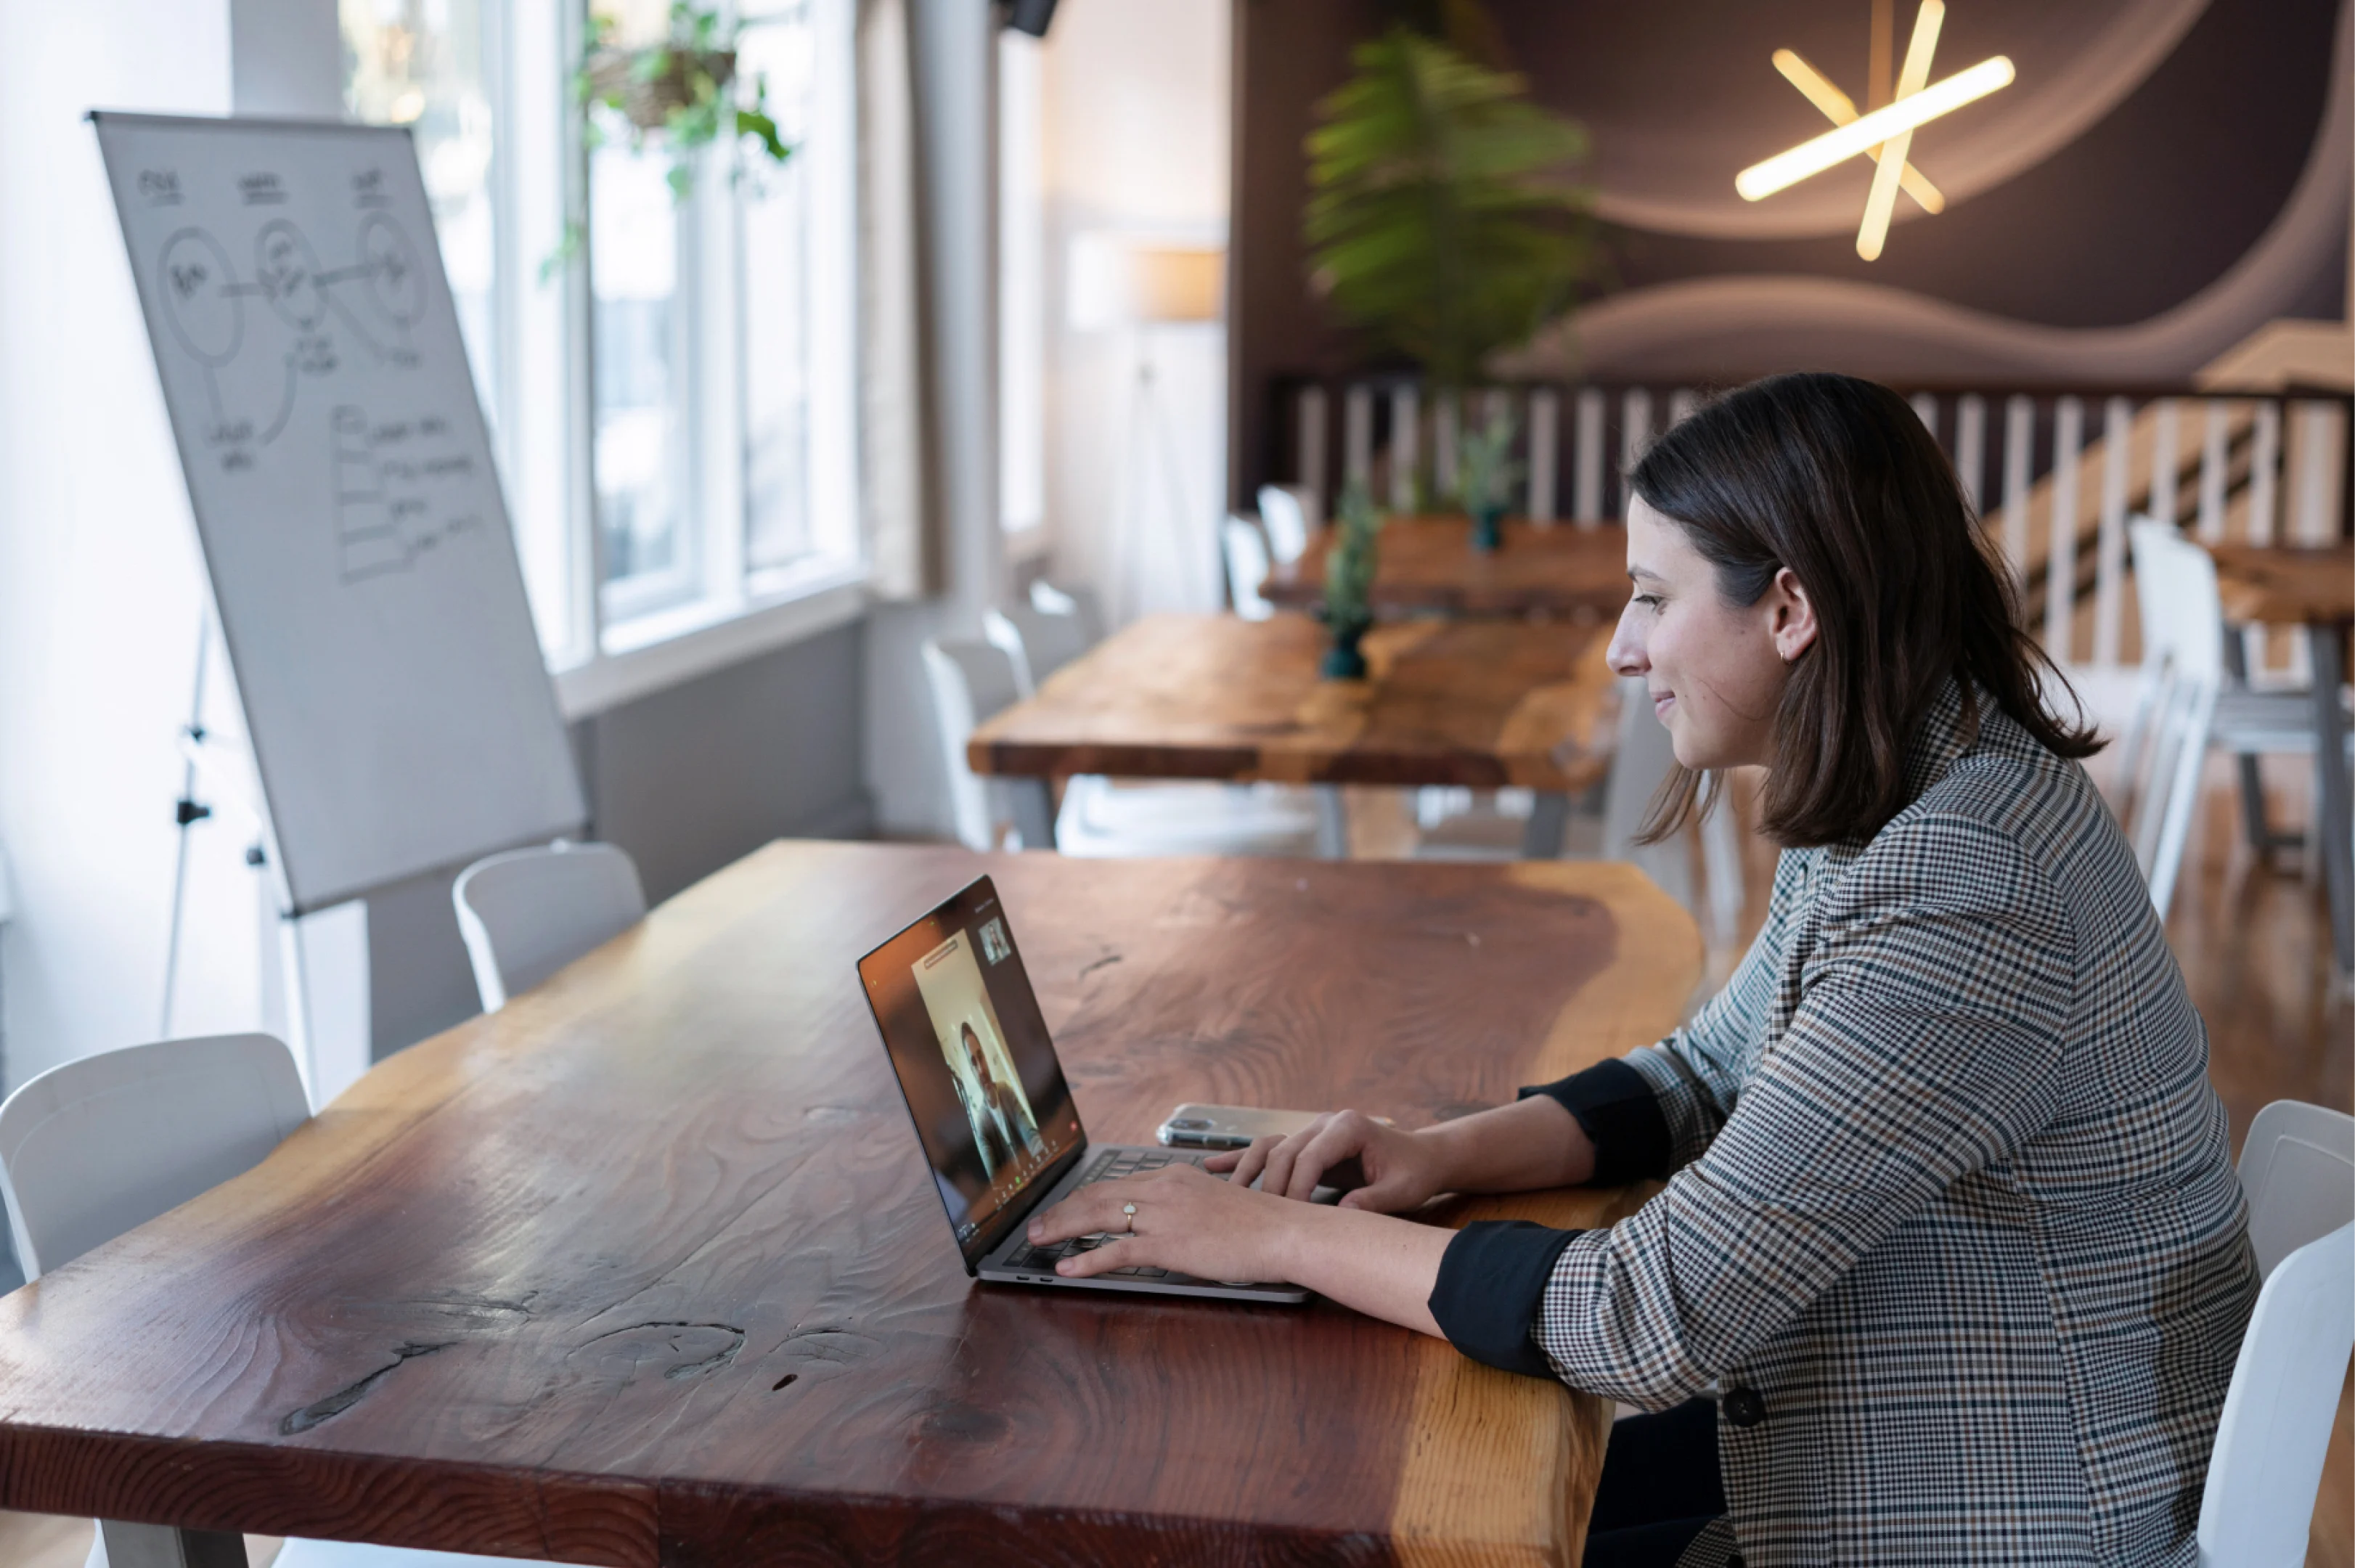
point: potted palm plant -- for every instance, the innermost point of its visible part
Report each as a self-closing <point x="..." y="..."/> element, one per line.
<point x="1444" y="220"/>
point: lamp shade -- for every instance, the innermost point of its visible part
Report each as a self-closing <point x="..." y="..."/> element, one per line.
<point x="1119" y="279"/>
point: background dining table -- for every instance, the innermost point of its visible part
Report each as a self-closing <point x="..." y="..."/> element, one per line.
<point x="1427" y="564"/>
<point x="1486" y="704"/>
<point x="647" y="1269"/>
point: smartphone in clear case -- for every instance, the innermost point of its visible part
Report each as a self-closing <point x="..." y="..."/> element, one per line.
<point x="1230" y="1126"/>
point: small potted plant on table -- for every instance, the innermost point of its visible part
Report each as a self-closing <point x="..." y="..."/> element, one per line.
<point x="1350" y="565"/>
<point x="1484" y="472"/>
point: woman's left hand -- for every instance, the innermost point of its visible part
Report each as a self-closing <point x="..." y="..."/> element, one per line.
<point x="1186" y="1222"/>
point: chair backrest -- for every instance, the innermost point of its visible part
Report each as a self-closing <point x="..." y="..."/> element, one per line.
<point x="2297" y="1167"/>
<point x="1641" y="760"/>
<point x="1000" y="632"/>
<point x="528" y="913"/>
<point x="2167" y="745"/>
<point x="94" y="1147"/>
<point x="1039" y="641"/>
<point x="1247" y="567"/>
<point x="2267" y="1470"/>
<point x="1286" y="512"/>
<point x="1069" y="599"/>
<point x="971" y="681"/>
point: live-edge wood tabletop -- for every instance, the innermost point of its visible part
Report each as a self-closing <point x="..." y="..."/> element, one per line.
<point x="647" y="1269"/>
<point x="1479" y="703"/>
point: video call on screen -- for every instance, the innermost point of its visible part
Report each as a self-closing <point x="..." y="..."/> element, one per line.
<point x="970" y="1050"/>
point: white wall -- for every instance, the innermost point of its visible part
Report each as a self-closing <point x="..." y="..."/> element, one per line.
<point x="1136" y="128"/>
<point x="100" y="588"/>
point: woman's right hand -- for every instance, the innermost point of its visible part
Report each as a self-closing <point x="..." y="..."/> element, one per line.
<point x="1396" y="1170"/>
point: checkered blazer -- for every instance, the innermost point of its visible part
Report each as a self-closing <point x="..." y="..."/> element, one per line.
<point x="1952" y="1197"/>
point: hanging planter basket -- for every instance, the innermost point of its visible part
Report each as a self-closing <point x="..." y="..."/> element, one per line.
<point x="649" y="86"/>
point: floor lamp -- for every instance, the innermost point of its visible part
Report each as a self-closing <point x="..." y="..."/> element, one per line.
<point x="1146" y="286"/>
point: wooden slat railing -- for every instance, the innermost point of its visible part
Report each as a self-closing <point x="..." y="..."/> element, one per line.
<point x="2053" y="472"/>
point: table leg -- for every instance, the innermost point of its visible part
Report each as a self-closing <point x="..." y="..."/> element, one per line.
<point x="1549" y="821"/>
<point x="164" y="1546"/>
<point x="1332" y="822"/>
<point x="1031" y="802"/>
<point x="2334" y="815"/>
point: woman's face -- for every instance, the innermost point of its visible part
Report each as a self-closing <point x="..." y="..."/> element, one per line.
<point x="1715" y="670"/>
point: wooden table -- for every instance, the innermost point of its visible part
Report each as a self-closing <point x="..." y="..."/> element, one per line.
<point x="647" y="1267"/>
<point x="1480" y="703"/>
<point x="2313" y="588"/>
<point x="1556" y="570"/>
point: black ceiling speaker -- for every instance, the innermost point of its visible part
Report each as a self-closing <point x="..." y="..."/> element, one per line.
<point x="1031" y="16"/>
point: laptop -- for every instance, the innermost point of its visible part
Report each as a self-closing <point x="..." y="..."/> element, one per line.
<point x="991" y="1105"/>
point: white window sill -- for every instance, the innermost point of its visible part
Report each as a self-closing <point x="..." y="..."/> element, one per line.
<point x="648" y="652"/>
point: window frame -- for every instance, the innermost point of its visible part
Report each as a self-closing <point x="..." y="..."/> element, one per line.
<point x="606" y="644"/>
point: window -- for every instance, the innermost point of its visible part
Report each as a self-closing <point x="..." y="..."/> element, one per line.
<point x="423" y="66"/>
<point x="669" y="381"/>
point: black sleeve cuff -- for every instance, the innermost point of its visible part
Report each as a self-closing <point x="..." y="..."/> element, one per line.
<point x="1621" y="1117"/>
<point x="1492" y="1281"/>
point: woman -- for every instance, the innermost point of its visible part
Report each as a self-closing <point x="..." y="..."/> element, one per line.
<point x="1950" y="1231"/>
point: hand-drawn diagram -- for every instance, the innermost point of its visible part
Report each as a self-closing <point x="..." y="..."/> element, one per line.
<point x="384" y="476"/>
<point x="204" y="306"/>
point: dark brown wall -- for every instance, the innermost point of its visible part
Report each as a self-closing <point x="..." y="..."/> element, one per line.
<point x="2149" y="206"/>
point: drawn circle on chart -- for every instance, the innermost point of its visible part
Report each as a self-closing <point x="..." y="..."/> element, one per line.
<point x="396" y="284"/>
<point x="209" y="320"/>
<point x="288" y="271"/>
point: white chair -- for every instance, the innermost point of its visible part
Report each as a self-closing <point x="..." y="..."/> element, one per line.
<point x="1039" y="641"/>
<point x="2185" y="662"/>
<point x="1079" y="604"/>
<point x="104" y="1144"/>
<point x="1645" y="757"/>
<point x="1456" y="825"/>
<point x="1245" y="548"/>
<point x="2299" y="1169"/>
<point x="528" y="913"/>
<point x="1288" y="513"/>
<point x="2166" y="744"/>
<point x="971" y="681"/>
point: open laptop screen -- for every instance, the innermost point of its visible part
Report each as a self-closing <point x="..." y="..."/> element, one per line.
<point x="970" y="1048"/>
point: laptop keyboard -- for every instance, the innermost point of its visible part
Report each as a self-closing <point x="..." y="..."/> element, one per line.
<point x="1110" y="1166"/>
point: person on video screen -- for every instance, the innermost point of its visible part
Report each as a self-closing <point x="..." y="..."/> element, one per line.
<point x="1001" y="1124"/>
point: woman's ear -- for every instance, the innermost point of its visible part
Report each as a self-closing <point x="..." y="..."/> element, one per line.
<point x="1794" y="615"/>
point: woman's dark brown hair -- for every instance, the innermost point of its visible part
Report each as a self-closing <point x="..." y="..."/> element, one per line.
<point x="1836" y="479"/>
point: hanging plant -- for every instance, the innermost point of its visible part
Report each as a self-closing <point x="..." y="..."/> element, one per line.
<point x="1442" y="218"/>
<point x="681" y="94"/>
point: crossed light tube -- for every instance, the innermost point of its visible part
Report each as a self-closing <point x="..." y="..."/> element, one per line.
<point x="1886" y="132"/>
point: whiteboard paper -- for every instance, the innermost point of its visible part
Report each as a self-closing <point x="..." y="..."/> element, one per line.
<point x="340" y="472"/>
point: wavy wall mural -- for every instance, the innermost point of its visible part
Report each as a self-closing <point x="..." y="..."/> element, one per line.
<point x="2164" y="178"/>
